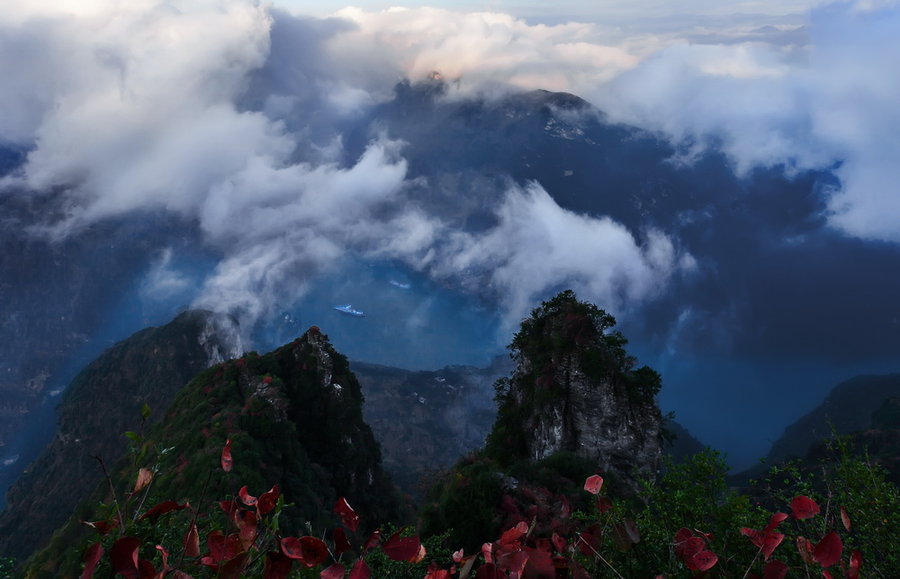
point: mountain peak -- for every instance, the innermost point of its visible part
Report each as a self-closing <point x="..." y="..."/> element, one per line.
<point x="576" y="390"/>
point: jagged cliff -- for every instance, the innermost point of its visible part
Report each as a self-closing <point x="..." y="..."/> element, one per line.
<point x="294" y="418"/>
<point x="576" y="390"/>
<point x="103" y="402"/>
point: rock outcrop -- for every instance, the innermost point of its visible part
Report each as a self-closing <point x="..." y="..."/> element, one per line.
<point x="576" y="390"/>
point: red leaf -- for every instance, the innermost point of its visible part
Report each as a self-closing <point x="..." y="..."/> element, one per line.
<point x="247" y="524"/>
<point x="360" y="570"/>
<point x="268" y="500"/>
<point x="775" y="569"/>
<point x="766" y="541"/>
<point x="336" y="571"/>
<point x="593" y="484"/>
<point x="277" y="566"/>
<point x="227" y="461"/>
<point x="233" y="568"/>
<point x="229" y="507"/>
<point x="310" y="551"/>
<point x="341" y="544"/>
<point x="123" y="556"/>
<point x="513" y="534"/>
<point x="222" y="548"/>
<point x="435" y="572"/>
<point x="348" y="516"/>
<point x="702" y="561"/>
<point x="514" y="562"/>
<point x="774" y="521"/>
<point x="828" y="551"/>
<point x="855" y="563"/>
<point x="246" y="497"/>
<point x="91" y="557"/>
<point x="144" y="477"/>
<point x="373" y="541"/>
<point x="772" y="540"/>
<point x="804" y="507"/>
<point x="162" y="508"/>
<point x="539" y="563"/>
<point x="146" y="569"/>
<point x="691" y="547"/>
<point x="402" y="548"/>
<point x="559" y="543"/>
<point x="192" y="542"/>
<point x="165" y="559"/>
<point x="681" y="538"/>
<point x="805" y="548"/>
<point x="845" y="518"/>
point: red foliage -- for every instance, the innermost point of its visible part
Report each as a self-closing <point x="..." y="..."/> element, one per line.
<point x="246" y="497"/>
<point x="227" y="461"/>
<point x="845" y="518"/>
<point x="277" y="565"/>
<point x="804" y="507"/>
<point x="402" y="548"/>
<point x="310" y="551"/>
<point x="360" y="570"/>
<point x="91" y="557"/>
<point x="828" y="551"/>
<point x="336" y="571"/>
<point x="348" y="516"/>
<point x="192" y="542"/>
<point x="593" y="484"/>
<point x="341" y="543"/>
<point x="161" y="509"/>
<point x="124" y="556"/>
<point x="268" y="500"/>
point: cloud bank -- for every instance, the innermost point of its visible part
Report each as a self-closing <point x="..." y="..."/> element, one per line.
<point x="227" y="114"/>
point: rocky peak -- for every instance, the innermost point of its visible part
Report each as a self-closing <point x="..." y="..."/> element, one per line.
<point x="576" y="390"/>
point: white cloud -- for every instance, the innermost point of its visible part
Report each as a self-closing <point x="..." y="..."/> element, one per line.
<point x="135" y="106"/>
<point x="831" y="102"/>
<point x="538" y="246"/>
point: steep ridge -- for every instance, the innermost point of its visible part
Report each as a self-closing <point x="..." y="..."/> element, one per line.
<point x="294" y="418"/>
<point x="847" y="408"/>
<point x="104" y="401"/>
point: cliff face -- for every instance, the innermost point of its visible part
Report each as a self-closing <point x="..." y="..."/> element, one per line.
<point x="576" y="390"/>
<point x="103" y="402"/>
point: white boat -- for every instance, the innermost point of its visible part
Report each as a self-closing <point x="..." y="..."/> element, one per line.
<point x="350" y="310"/>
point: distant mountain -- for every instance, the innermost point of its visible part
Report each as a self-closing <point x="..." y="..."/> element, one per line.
<point x="425" y="421"/>
<point x="848" y="408"/>
<point x="103" y="402"/>
<point x="678" y="442"/>
<point x="294" y="417"/>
